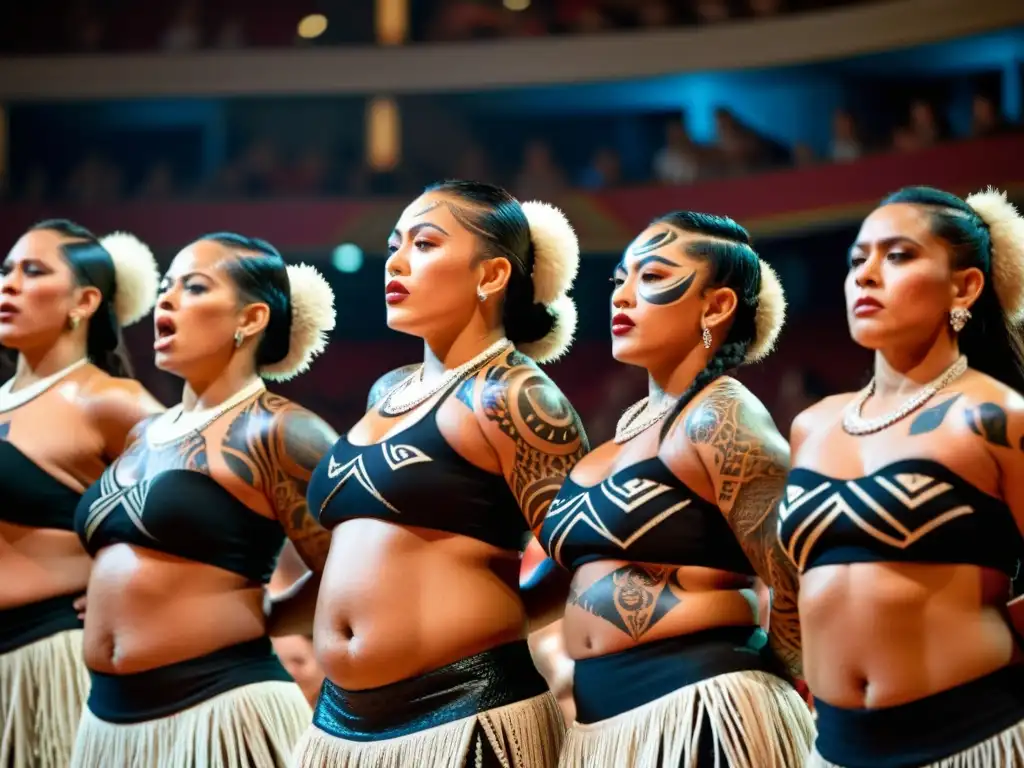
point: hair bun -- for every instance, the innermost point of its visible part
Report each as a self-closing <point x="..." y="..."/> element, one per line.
<point x="136" y="277"/>
<point x="769" y="317"/>
<point x="558" y="340"/>
<point x="312" y="305"/>
<point x="556" y="251"/>
<point x="1006" y="230"/>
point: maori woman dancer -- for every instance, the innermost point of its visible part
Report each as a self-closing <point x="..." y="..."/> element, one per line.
<point x="64" y="297"/>
<point x="905" y="503"/>
<point x="666" y="529"/>
<point x="420" y="627"/>
<point x="186" y="526"/>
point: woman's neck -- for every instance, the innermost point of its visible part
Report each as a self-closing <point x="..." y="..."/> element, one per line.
<point x="440" y="354"/>
<point x="901" y="372"/>
<point x="671" y="381"/>
<point x="36" y="364"/>
<point x="201" y="395"/>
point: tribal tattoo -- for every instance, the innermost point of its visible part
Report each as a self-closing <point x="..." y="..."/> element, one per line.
<point x="5" y="429"/>
<point x="749" y="463"/>
<point x="634" y="597"/>
<point x="274" y="445"/>
<point x="989" y="421"/>
<point x="386" y="383"/>
<point x="929" y="420"/>
<point x="549" y="438"/>
<point x="663" y="291"/>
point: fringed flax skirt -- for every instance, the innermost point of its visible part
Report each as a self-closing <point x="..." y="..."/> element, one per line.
<point x="487" y="711"/>
<point x="43" y="683"/>
<point x="979" y="724"/>
<point x="705" y="700"/>
<point x="233" y="708"/>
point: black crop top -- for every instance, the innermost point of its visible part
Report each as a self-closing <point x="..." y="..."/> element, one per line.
<point x="416" y="478"/>
<point x="181" y="512"/>
<point x="643" y="514"/>
<point x="32" y="496"/>
<point x="912" y="511"/>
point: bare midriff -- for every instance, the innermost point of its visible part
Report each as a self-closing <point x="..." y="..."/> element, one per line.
<point x="37" y="564"/>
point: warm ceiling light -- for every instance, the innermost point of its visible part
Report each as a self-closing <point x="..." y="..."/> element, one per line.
<point x="517" y="5"/>
<point x="312" y="26"/>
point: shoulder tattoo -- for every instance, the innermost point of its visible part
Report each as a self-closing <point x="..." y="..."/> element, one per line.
<point x="274" y="445"/>
<point x="549" y="438"/>
<point x="387" y="382"/>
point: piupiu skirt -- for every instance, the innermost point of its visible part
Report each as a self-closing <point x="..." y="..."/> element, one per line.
<point x="233" y="708"/>
<point x="711" y="699"/>
<point x="489" y="710"/>
<point x="43" y="683"/>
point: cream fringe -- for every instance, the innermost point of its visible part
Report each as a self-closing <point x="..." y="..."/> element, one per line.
<point x="1004" y="750"/>
<point x="42" y="688"/>
<point x="254" y="726"/>
<point x="758" y="720"/>
<point x="527" y="734"/>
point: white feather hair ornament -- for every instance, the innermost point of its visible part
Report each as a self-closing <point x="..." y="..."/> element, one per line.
<point x="1006" y="229"/>
<point x="556" y="251"/>
<point x="313" y="319"/>
<point x="559" y="338"/>
<point x="769" y="317"/>
<point x="136" y="277"/>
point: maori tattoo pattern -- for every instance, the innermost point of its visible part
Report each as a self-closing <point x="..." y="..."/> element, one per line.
<point x="634" y="597"/>
<point x="989" y="421"/>
<point x="547" y="433"/>
<point x="929" y="420"/>
<point x="5" y="428"/>
<point x="464" y="394"/>
<point x="386" y="383"/>
<point x="660" y="293"/>
<point x="274" y="446"/>
<point x="750" y="476"/>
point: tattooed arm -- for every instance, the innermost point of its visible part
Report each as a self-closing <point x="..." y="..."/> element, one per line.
<point x="747" y="460"/>
<point x="538" y="439"/>
<point x="275" y="445"/>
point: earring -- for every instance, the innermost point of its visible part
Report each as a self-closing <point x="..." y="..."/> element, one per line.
<point x="239" y="338"/>
<point x="74" y="321"/>
<point x="958" y="317"/>
<point x="705" y="336"/>
<point x="480" y="295"/>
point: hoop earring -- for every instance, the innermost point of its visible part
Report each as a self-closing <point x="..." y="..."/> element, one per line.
<point x="958" y="317"/>
<point x="705" y="336"/>
<point x="73" y="322"/>
<point x="480" y="295"/>
<point x="239" y="338"/>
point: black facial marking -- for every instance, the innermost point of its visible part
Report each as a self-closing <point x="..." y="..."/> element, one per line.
<point x="659" y="240"/>
<point x="930" y="419"/>
<point x="667" y="294"/>
<point x="633" y="598"/>
<point x="989" y="421"/>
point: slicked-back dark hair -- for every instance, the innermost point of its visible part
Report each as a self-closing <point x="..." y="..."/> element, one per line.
<point x="261" y="276"/>
<point x="989" y="340"/>
<point x="725" y="247"/>
<point x="92" y="265"/>
<point x="497" y="218"/>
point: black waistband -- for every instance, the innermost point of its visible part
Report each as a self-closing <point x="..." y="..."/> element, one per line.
<point x="156" y="693"/>
<point x="36" y="621"/>
<point x="606" y="686"/>
<point x="924" y="731"/>
<point x="494" y="678"/>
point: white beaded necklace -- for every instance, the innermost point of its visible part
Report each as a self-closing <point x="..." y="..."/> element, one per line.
<point x="10" y="400"/>
<point x="177" y="423"/>
<point x="855" y="424"/>
<point x="398" y="400"/>
<point x="631" y="424"/>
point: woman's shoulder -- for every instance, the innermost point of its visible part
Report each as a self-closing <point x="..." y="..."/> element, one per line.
<point x="117" y="406"/>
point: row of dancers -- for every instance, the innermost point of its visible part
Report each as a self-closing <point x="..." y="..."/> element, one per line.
<point x="136" y="542"/>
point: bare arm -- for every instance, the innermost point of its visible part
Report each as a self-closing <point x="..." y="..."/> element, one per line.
<point x="120" y="408"/>
<point x="747" y="460"/>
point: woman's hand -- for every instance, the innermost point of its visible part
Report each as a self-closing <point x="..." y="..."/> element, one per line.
<point x="79" y="606"/>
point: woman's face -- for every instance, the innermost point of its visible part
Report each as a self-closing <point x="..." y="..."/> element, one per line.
<point x="38" y="292"/>
<point x="197" y="312"/>
<point x="901" y="286"/>
<point x="658" y="302"/>
<point x="433" y="270"/>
